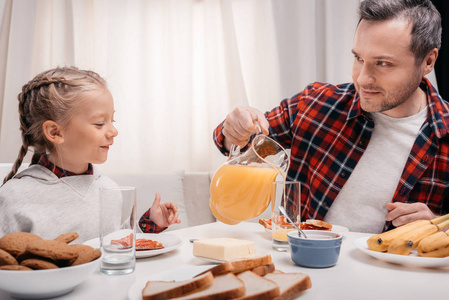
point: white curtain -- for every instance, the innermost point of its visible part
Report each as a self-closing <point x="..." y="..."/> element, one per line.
<point x="175" y="67"/>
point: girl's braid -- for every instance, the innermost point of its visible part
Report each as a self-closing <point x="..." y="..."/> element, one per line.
<point x="26" y="97"/>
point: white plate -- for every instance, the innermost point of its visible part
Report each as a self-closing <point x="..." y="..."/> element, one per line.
<point x="169" y="241"/>
<point x="412" y="259"/>
<point x="339" y="229"/>
<point x="184" y="273"/>
<point x="335" y="228"/>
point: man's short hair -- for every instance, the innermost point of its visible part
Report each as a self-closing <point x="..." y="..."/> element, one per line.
<point x="422" y="14"/>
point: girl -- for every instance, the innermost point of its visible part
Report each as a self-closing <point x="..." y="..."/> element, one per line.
<point x="66" y="117"/>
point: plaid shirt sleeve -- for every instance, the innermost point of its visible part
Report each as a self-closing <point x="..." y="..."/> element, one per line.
<point x="219" y="139"/>
<point x="148" y="226"/>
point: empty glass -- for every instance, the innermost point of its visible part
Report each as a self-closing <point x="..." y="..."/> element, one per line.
<point x="118" y="230"/>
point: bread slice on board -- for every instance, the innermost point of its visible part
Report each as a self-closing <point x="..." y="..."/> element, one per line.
<point x="290" y="284"/>
<point x="155" y="290"/>
<point x="239" y="265"/>
<point x="257" y="287"/>
<point x="226" y="286"/>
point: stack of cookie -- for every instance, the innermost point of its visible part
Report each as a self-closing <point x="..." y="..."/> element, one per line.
<point x="27" y="251"/>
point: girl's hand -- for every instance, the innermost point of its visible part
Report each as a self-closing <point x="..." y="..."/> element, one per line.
<point x="164" y="214"/>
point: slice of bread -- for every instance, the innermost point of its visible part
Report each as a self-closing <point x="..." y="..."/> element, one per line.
<point x="265" y="223"/>
<point x="262" y="270"/>
<point x="315" y="225"/>
<point x="290" y="284"/>
<point x="239" y="265"/>
<point x="226" y="286"/>
<point x="168" y="289"/>
<point x="258" y="287"/>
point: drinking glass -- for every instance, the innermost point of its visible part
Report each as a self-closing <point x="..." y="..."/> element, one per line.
<point x="286" y="194"/>
<point x="117" y="230"/>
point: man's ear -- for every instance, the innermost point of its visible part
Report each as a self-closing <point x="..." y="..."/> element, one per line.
<point x="53" y="132"/>
<point x="429" y="61"/>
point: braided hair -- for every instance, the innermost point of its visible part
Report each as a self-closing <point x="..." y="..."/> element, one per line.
<point x="52" y="95"/>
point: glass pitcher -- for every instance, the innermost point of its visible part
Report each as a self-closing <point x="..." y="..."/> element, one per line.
<point x="240" y="189"/>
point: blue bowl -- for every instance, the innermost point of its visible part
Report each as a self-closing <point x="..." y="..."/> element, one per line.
<point x="320" y="250"/>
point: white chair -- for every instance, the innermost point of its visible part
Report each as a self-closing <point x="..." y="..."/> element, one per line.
<point x="5" y="168"/>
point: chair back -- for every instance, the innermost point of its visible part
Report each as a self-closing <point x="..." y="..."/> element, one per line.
<point x="5" y="168"/>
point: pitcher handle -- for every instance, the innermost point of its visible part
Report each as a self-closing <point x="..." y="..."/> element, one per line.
<point x="258" y="127"/>
<point x="235" y="150"/>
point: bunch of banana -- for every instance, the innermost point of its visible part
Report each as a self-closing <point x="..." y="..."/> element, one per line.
<point x="435" y="245"/>
<point x="405" y="243"/>
<point x="381" y="242"/>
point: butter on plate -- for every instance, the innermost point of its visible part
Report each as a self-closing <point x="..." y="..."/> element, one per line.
<point x="224" y="249"/>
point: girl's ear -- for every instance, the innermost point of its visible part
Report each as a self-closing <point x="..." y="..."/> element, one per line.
<point x="52" y="132"/>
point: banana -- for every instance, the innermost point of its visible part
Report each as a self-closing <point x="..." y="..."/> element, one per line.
<point x="441" y="252"/>
<point x="434" y="245"/>
<point x="380" y="242"/>
<point x="440" y="219"/>
<point x="404" y="244"/>
<point x="427" y="243"/>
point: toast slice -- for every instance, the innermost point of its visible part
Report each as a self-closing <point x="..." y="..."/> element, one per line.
<point x="155" y="290"/>
<point x="258" y="287"/>
<point x="265" y="223"/>
<point x="239" y="265"/>
<point x="226" y="286"/>
<point x="290" y="284"/>
<point x="315" y="225"/>
<point x="262" y="270"/>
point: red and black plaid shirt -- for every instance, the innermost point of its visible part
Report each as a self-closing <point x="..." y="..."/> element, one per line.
<point x="146" y="225"/>
<point x="327" y="132"/>
<point x="59" y="172"/>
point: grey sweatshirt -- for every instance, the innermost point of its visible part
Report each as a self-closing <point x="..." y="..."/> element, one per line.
<point x="37" y="201"/>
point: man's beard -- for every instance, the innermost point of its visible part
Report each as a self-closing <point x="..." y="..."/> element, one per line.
<point x="394" y="98"/>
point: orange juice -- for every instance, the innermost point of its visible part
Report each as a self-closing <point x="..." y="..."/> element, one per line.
<point x="281" y="233"/>
<point x="239" y="193"/>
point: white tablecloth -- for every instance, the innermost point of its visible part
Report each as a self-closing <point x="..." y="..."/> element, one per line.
<point x="356" y="275"/>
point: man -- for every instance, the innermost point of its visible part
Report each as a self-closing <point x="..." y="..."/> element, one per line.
<point x="374" y="153"/>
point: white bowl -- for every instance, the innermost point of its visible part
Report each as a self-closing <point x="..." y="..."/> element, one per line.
<point x="38" y="284"/>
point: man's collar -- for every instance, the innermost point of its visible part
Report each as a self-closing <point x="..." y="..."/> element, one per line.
<point x="439" y="109"/>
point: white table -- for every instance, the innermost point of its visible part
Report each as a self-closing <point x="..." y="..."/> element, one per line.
<point x="356" y="275"/>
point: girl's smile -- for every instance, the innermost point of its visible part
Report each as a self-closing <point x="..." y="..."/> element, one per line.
<point x="89" y="134"/>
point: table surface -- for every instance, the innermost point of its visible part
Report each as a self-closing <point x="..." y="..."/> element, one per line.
<point x="356" y="275"/>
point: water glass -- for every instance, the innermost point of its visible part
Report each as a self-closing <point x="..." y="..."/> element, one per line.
<point x="286" y="194"/>
<point x="118" y="230"/>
